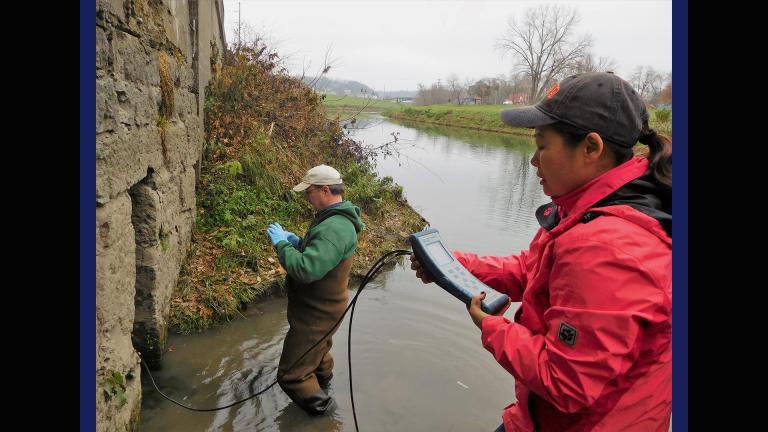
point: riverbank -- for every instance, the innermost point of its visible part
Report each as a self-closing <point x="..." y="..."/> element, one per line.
<point x="263" y="131"/>
<point x="487" y="117"/>
<point x="477" y="117"/>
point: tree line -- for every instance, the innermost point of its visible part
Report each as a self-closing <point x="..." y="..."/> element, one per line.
<point x="545" y="49"/>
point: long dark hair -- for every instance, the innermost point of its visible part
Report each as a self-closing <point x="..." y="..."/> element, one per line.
<point x="659" y="155"/>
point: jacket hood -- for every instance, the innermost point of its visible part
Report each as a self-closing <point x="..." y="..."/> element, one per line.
<point x="344" y="208"/>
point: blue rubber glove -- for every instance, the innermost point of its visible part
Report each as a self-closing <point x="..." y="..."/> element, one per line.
<point x="276" y="233"/>
<point x="292" y="238"/>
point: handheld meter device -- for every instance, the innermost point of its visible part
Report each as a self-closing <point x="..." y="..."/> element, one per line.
<point x="450" y="274"/>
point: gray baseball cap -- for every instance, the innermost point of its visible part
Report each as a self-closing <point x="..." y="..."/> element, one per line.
<point x="597" y="101"/>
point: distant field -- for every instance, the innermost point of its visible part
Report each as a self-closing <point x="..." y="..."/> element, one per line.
<point x="350" y="103"/>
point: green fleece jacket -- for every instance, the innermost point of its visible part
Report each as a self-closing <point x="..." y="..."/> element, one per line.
<point x="331" y="237"/>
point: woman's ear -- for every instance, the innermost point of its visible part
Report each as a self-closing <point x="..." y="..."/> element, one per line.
<point x="595" y="147"/>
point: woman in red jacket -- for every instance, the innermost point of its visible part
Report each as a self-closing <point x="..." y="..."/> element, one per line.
<point x="590" y="346"/>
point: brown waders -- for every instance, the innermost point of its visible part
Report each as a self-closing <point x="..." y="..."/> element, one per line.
<point x="313" y="309"/>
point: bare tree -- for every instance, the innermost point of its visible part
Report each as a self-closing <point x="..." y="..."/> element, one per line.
<point x="467" y="86"/>
<point x="606" y="64"/>
<point x="665" y="96"/>
<point x="544" y="45"/>
<point x="497" y="90"/>
<point x="455" y="88"/>
<point x="648" y="82"/>
<point x="423" y="96"/>
<point x="657" y="85"/>
<point x="435" y="94"/>
<point x="588" y="63"/>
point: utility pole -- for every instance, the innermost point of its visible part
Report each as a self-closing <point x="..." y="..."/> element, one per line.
<point x="239" y="40"/>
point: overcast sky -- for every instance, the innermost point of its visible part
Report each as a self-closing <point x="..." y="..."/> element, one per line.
<point x="395" y="45"/>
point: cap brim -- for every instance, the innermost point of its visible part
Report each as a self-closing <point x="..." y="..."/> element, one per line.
<point x="529" y="116"/>
<point x="301" y="186"/>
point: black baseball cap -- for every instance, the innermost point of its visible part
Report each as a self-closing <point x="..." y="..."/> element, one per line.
<point x="596" y="102"/>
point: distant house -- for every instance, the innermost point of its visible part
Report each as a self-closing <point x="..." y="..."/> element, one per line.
<point x="517" y="98"/>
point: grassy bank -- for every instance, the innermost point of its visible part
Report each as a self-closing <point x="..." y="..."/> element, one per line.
<point x="264" y="129"/>
<point x="350" y="105"/>
<point x="487" y="117"/>
<point x="478" y="117"/>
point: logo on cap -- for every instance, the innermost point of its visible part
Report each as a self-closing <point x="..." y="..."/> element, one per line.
<point x="553" y="91"/>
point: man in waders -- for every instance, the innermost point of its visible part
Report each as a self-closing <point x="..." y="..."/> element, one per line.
<point x="318" y="267"/>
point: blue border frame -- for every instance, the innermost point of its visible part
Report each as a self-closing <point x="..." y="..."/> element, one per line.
<point x="680" y="228"/>
<point x="87" y="216"/>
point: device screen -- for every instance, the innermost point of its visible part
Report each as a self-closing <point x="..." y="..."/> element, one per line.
<point x="439" y="254"/>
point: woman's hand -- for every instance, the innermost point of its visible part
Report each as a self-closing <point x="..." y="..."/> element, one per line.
<point x="421" y="272"/>
<point x="476" y="311"/>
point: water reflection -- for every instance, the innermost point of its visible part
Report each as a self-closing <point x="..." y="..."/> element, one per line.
<point x="471" y="185"/>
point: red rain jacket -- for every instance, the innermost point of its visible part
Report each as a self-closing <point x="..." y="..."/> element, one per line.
<point x="591" y="345"/>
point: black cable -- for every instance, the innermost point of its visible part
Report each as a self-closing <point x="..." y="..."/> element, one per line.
<point x="349" y="359"/>
<point x="368" y="277"/>
<point x="202" y="409"/>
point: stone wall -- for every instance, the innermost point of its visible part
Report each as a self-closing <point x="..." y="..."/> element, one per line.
<point x="154" y="59"/>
